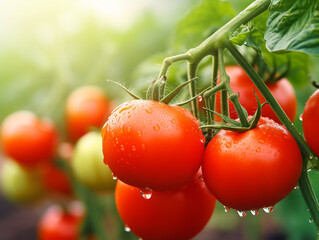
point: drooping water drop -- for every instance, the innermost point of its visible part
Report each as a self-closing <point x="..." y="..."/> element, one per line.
<point x="241" y="213"/>
<point x="309" y="169"/>
<point x="200" y="99"/>
<point x="227" y="209"/>
<point x="228" y="144"/>
<point x="311" y="220"/>
<point x="139" y="133"/>
<point x="156" y="127"/>
<point x="148" y="110"/>
<point x="301" y="117"/>
<point x="254" y="212"/>
<point x="127" y="229"/>
<point x="114" y="177"/>
<point x="122" y="147"/>
<point x="296" y="187"/>
<point x="146" y="193"/>
<point x="268" y="209"/>
<point x="202" y="139"/>
<point x="133" y="148"/>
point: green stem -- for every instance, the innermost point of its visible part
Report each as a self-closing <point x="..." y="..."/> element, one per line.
<point x="191" y="74"/>
<point x="170" y="60"/>
<point x="304" y="182"/>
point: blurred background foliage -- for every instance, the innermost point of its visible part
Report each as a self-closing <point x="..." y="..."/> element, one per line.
<point x="48" y="48"/>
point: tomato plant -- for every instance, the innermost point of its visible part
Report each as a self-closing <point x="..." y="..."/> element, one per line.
<point x="29" y="140"/>
<point x="310" y="123"/>
<point x="175" y="214"/>
<point x="253" y="169"/>
<point x="282" y="90"/>
<point x="20" y="185"/>
<point x="56" y="180"/>
<point x="62" y="224"/>
<point x="87" y="163"/>
<point x="152" y="145"/>
<point x="86" y="107"/>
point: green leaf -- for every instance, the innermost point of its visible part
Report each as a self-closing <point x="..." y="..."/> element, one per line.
<point x="293" y="26"/>
<point x="240" y="35"/>
<point x="202" y="21"/>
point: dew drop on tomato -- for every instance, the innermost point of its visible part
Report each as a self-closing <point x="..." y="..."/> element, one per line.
<point x="127" y="229"/>
<point x="268" y="209"/>
<point x="114" y="177"/>
<point x="227" y="209"/>
<point x="254" y="212"/>
<point x="241" y="213"/>
<point x="146" y="193"/>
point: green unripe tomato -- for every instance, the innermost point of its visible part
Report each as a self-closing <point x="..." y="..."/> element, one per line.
<point x="20" y="185"/>
<point x="88" y="166"/>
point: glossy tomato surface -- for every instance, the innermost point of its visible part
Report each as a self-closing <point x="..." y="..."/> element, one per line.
<point x="176" y="214"/>
<point x="59" y="224"/>
<point x="29" y="140"/>
<point x="148" y="144"/>
<point x="310" y="125"/>
<point x="253" y="169"/>
<point x="86" y="107"/>
<point x="241" y="84"/>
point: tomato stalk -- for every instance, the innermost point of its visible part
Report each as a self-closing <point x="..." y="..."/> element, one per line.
<point x="304" y="182"/>
<point x="191" y="73"/>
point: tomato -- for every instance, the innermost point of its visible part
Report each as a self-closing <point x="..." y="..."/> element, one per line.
<point x="56" y="180"/>
<point x="86" y="107"/>
<point x="252" y="169"/>
<point x="282" y="91"/>
<point x="149" y="144"/>
<point x="175" y="214"/>
<point x="18" y="184"/>
<point x="27" y="139"/>
<point x="310" y="122"/>
<point x="87" y="163"/>
<point x="62" y="224"/>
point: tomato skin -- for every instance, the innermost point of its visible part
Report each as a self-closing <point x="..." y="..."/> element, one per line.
<point x="282" y="91"/>
<point x="57" y="223"/>
<point x="86" y="107"/>
<point x="28" y="140"/>
<point x="56" y="180"/>
<point x="87" y="164"/>
<point x="148" y="144"/>
<point x="253" y="169"/>
<point x="176" y="214"/>
<point x="20" y="185"/>
<point x="310" y="122"/>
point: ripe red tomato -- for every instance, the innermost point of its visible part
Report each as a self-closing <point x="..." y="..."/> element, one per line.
<point x="149" y="144"/>
<point x="86" y="107"/>
<point x="310" y="122"/>
<point x="58" y="223"/>
<point x="253" y="169"/>
<point x="56" y="180"/>
<point x="27" y="139"/>
<point x="240" y="83"/>
<point x="176" y="214"/>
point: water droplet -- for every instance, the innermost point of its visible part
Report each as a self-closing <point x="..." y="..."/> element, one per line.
<point x="309" y="169"/>
<point x="261" y="141"/>
<point x="241" y="213"/>
<point x="202" y="139"/>
<point x="254" y="212"/>
<point x="129" y="129"/>
<point x="173" y="121"/>
<point x="243" y="154"/>
<point x="311" y="220"/>
<point x="296" y="187"/>
<point x="227" y="209"/>
<point x="114" y="177"/>
<point x="122" y="129"/>
<point x="311" y="157"/>
<point x="116" y="141"/>
<point x="163" y="124"/>
<point x="148" y="110"/>
<point x="156" y="127"/>
<point x="146" y="193"/>
<point x="139" y="133"/>
<point x="268" y="209"/>
<point x="122" y="147"/>
<point x="200" y="99"/>
<point x="258" y="150"/>
<point x="228" y="144"/>
<point x="301" y="117"/>
<point x="113" y="135"/>
<point x="127" y="229"/>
